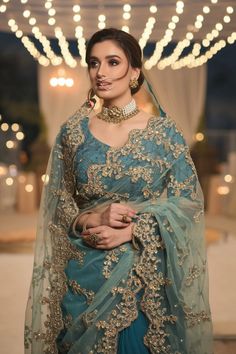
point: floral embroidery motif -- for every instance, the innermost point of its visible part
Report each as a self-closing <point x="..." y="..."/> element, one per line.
<point x="77" y="289"/>
<point x="121" y="317"/>
<point x="194" y="318"/>
<point x="112" y="256"/>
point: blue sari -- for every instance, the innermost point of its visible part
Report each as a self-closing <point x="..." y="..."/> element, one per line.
<point x="142" y="298"/>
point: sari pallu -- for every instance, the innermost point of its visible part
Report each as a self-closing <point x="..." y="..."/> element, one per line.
<point x="164" y="276"/>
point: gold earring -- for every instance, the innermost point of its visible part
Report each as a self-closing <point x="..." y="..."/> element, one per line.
<point x="133" y="83"/>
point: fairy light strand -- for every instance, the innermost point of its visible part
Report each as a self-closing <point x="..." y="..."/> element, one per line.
<point x="148" y="28"/>
<point x="81" y="42"/>
<point x="190" y="59"/>
<point x="186" y="42"/>
<point x="54" y="59"/>
<point x="166" y="39"/>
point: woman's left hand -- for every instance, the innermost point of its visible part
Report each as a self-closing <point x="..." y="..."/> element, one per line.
<point x="106" y="237"/>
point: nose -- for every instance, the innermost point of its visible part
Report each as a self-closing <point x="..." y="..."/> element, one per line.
<point x="101" y="71"/>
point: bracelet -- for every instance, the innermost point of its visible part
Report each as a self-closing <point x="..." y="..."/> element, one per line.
<point x="133" y="238"/>
<point x="76" y="221"/>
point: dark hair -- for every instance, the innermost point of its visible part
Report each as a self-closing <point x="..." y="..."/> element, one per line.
<point x="126" y="42"/>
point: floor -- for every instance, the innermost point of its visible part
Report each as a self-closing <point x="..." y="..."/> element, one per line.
<point x="16" y="259"/>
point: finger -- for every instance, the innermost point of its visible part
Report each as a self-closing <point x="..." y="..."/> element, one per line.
<point x="119" y="223"/>
<point x="92" y="230"/>
<point x="125" y="209"/>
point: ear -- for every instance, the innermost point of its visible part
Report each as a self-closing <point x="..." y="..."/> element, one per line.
<point x="135" y="73"/>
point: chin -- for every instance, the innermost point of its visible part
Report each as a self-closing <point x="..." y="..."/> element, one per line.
<point x="105" y="95"/>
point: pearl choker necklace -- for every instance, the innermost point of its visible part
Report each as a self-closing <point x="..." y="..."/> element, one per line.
<point x="115" y="114"/>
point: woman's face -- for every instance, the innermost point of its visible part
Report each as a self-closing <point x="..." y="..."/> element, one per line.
<point x="109" y="71"/>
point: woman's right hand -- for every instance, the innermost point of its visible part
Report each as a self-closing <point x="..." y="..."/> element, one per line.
<point x="117" y="215"/>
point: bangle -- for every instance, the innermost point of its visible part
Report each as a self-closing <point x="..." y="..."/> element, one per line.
<point x="76" y="221"/>
<point x="133" y="239"/>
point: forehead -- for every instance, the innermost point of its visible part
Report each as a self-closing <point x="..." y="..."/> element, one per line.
<point x="107" y="48"/>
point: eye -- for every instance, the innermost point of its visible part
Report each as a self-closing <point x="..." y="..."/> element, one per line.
<point x="113" y="62"/>
<point x="93" y="64"/>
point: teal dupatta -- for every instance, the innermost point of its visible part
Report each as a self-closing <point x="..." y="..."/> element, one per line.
<point x="81" y="299"/>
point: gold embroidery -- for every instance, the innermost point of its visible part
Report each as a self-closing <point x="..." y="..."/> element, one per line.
<point x="121" y="317"/>
<point x="88" y="318"/>
<point x="62" y="249"/>
<point x="77" y="289"/>
<point x="182" y="253"/>
<point x="194" y="318"/>
<point x="27" y="337"/>
<point x="68" y="321"/>
<point x="197" y="216"/>
<point x="112" y="256"/>
<point x="143" y="272"/>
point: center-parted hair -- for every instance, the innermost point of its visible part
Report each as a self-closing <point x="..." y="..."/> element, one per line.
<point x="126" y="42"/>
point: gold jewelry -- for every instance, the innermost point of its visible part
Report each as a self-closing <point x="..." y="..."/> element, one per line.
<point x="116" y="114"/>
<point x="93" y="239"/>
<point x="125" y="218"/>
<point x="76" y="221"/>
<point x="133" y="83"/>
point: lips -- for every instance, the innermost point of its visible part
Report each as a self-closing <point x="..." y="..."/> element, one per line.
<point x="103" y="85"/>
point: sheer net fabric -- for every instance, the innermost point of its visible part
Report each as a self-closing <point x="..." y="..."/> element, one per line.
<point x="165" y="277"/>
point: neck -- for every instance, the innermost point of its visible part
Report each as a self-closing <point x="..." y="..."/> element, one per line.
<point x="119" y="102"/>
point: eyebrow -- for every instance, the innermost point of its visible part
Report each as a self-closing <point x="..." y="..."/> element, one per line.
<point x="107" y="57"/>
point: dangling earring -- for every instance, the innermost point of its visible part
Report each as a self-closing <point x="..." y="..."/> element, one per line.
<point x="133" y="83"/>
<point x="91" y="100"/>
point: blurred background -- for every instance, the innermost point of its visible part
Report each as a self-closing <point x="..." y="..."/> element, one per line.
<point x="189" y="53"/>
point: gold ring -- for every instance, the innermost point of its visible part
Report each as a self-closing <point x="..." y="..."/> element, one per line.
<point x="125" y="218"/>
<point x="93" y="239"/>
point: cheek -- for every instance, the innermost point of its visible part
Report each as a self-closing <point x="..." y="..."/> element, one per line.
<point x="92" y="74"/>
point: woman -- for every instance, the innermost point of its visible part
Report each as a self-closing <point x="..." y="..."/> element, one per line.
<point x="120" y="264"/>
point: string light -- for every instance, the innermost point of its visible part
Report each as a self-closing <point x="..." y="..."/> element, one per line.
<point x="4" y="127"/>
<point x="147" y="31"/>
<point x="228" y="178"/>
<point x="81" y="42"/>
<point x="190" y="59"/>
<point x="229" y="10"/>
<point x="20" y="136"/>
<point x="101" y="21"/>
<point x="61" y="81"/>
<point x="3" y="8"/>
<point x="29" y="188"/>
<point x="126" y="12"/>
<point x="54" y="59"/>
<point x="9" y="181"/>
<point x="166" y="39"/>
<point x="64" y="45"/>
<point x="199" y="137"/>
<point x="10" y="144"/>
<point x="28" y="44"/>
<point x="206" y="9"/>
<point x="153" y="9"/>
<point x="125" y="29"/>
<point x="223" y="190"/>
<point x="174" y="60"/>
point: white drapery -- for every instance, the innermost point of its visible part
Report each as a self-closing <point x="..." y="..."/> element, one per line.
<point x="180" y="92"/>
<point x="60" y="102"/>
